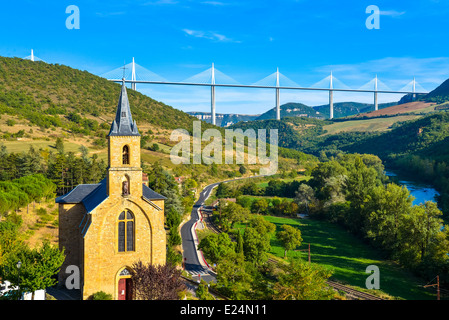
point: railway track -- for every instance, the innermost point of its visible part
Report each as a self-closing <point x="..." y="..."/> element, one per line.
<point x="206" y="219"/>
<point x="350" y="292"/>
<point x="356" y="294"/>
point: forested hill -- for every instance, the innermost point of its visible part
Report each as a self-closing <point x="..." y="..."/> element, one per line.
<point x="56" y="95"/>
<point x="418" y="148"/>
<point x="439" y="95"/>
<point x="346" y="109"/>
<point x="427" y="137"/>
<point x="291" y="109"/>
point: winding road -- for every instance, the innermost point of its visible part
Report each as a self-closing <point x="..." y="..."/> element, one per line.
<point x="191" y="256"/>
<point x="200" y="269"/>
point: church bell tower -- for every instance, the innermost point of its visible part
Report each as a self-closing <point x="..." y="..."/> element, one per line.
<point x="124" y="176"/>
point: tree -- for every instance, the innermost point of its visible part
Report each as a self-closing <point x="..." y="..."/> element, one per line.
<point x="59" y="145"/>
<point x="255" y="246"/>
<point x="223" y="191"/>
<point x="261" y="225"/>
<point x="156" y="282"/>
<point x="173" y="218"/>
<point x="202" y="292"/>
<point x="322" y="172"/>
<point x="213" y="169"/>
<point x="164" y="183"/>
<point x="217" y="246"/>
<point x="231" y="213"/>
<point x="290" y="238"/>
<point x="388" y="208"/>
<point x="259" y="205"/>
<point x="302" y="281"/>
<point x="174" y="238"/>
<point x="239" y="243"/>
<point x="39" y="266"/>
<point x="234" y="277"/>
<point x="188" y="186"/>
<point x="305" y="195"/>
<point x="421" y="233"/>
<point x="334" y="187"/>
<point x="360" y="183"/>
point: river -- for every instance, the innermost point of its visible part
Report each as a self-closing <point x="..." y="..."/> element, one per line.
<point x="421" y="192"/>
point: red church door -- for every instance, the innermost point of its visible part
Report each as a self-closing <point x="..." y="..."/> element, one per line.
<point x="125" y="289"/>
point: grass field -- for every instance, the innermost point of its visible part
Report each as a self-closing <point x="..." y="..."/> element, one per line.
<point x="24" y="145"/>
<point x="376" y="124"/>
<point x="18" y="146"/>
<point x="347" y="256"/>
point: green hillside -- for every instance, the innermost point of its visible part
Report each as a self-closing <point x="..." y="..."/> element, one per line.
<point x="438" y="95"/>
<point x="341" y="110"/>
<point x="418" y="148"/>
<point x="293" y="132"/>
<point x="291" y="109"/>
<point x="346" y="109"/>
<point x="53" y="95"/>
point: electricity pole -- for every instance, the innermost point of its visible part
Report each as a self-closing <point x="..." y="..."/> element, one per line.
<point x="437" y="285"/>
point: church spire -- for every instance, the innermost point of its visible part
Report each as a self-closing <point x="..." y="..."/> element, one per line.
<point x="123" y="124"/>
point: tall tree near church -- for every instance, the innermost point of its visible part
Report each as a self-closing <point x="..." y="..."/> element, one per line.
<point x="39" y="266"/>
<point x="156" y="282"/>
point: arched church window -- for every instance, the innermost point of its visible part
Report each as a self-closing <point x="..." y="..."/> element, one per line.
<point x="125" y="155"/>
<point x="125" y="231"/>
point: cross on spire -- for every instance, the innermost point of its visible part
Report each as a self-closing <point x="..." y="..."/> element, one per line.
<point x="124" y="68"/>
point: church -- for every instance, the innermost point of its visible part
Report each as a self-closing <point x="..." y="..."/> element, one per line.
<point x="106" y="227"/>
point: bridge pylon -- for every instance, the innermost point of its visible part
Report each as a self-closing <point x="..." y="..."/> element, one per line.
<point x="133" y="75"/>
<point x="212" y="95"/>
<point x="376" y="104"/>
<point x="331" y="98"/>
<point x="278" y="100"/>
<point x="414" y="89"/>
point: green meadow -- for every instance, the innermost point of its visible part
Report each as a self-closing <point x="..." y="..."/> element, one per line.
<point x="348" y="257"/>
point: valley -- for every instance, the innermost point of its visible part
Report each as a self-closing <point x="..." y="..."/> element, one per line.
<point x="58" y="128"/>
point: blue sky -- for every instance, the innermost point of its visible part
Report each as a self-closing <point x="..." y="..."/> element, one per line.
<point x="247" y="40"/>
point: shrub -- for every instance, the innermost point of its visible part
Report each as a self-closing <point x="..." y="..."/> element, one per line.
<point x="101" y="295"/>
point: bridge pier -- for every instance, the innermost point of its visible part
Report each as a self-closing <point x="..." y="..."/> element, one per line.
<point x="212" y="96"/>
<point x="278" y="100"/>
<point x="331" y="104"/>
<point x="414" y="89"/>
<point x="278" y="105"/>
<point x="376" y="105"/>
<point x="331" y="98"/>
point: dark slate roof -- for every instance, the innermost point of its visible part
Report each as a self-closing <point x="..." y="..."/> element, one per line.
<point x="123" y="124"/>
<point x="149" y="194"/>
<point x="77" y="194"/>
<point x="97" y="196"/>
<point x="91" y="195"/>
